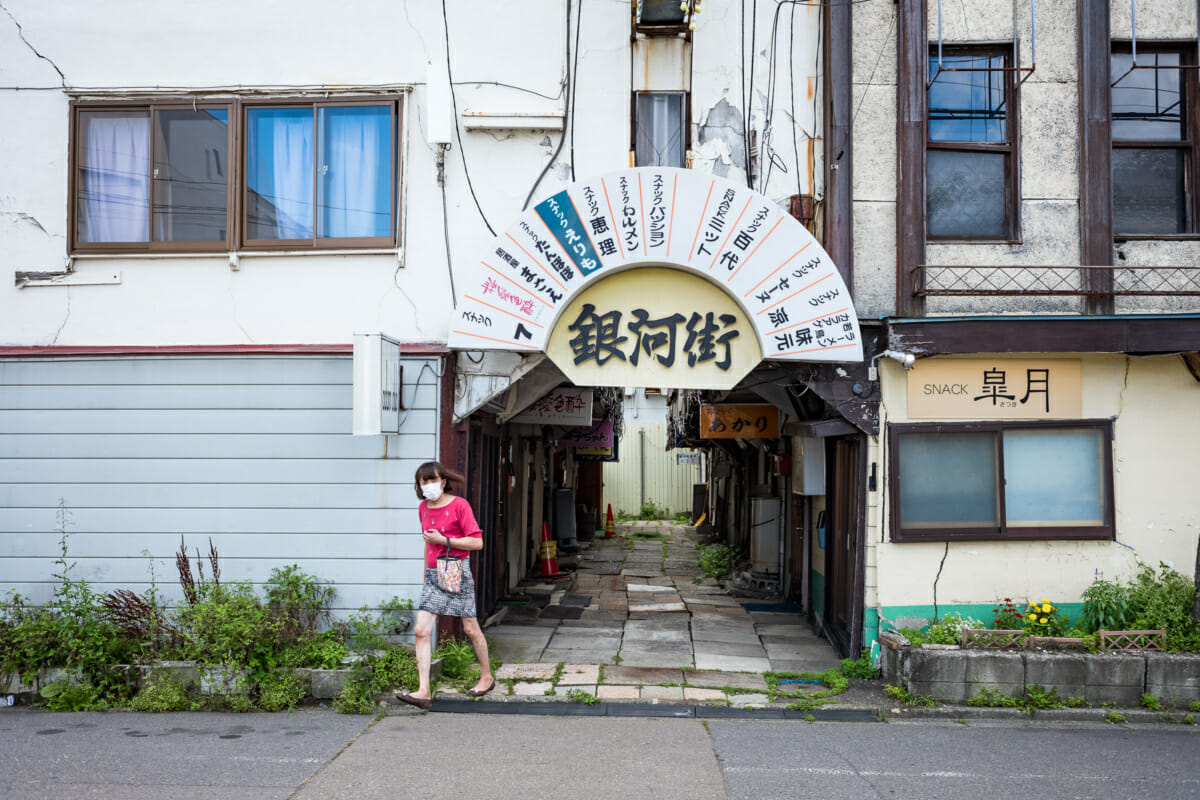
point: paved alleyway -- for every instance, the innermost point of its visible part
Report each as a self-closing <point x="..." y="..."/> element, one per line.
<point x="641" y="607"/>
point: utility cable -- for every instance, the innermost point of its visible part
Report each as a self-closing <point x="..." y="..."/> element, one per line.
<point x="457" y="133"/>
<point x="566" y="113"/>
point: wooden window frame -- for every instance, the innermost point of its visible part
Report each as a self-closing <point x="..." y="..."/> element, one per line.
<point x="318" y="243"/>
<point x="235" y="238"/>
<point x="1191" y="173"/>
<point x="685" y="122"/>
<point x="152" y="107"/>
<point x="1002" y="532"/>
<point x="1010" y="148"/>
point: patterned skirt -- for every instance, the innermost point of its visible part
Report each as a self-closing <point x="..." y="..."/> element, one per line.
<point x="437" y="601"/>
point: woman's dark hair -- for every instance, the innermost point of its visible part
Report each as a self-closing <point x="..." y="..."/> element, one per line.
<point x="455" y="483"/>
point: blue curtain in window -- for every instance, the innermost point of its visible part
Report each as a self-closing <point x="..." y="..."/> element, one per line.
<point x="354" y="158"/>
<point x="279" y="173"/>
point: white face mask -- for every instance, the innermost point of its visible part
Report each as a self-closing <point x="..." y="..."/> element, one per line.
<point x="432" y="490"/>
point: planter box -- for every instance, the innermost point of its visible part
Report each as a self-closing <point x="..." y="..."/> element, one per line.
<point x="954" y="676"/>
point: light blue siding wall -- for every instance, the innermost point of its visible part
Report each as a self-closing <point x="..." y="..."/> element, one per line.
<point x="254" y="451"/>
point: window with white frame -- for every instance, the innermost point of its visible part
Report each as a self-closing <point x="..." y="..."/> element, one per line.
<point x="169" y="176"/>
<point x="1001" y="480"/>
<point x="660" y="129"/>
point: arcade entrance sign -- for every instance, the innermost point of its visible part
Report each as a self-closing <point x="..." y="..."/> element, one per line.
<point x="658" y="277"/>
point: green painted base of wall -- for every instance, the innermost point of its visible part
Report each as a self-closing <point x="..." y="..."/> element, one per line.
<point x="817" y="583"/>
<point x="981" y="611"/>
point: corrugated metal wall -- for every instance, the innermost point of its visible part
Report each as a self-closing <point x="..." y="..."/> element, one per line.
<point x="254" y="451"/>
<point x="648" y="472"/>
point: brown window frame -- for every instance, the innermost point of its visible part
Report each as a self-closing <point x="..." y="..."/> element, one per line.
<point x="318" y="243"/>
<point x="1191" y="173"/>
<point x="685" y="122"/>
<point x="235" y="238"/>
<point x="1002" y="532"/>
<point x="152" y="107"/>
<point x="1010" y="148"/>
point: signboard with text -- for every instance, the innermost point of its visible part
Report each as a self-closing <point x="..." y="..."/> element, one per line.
<point x="995" y="388"/>
<point x="758" y="421"/>
<point x="790" y="299"/>
<point x="560" y="407"/>
<point x="598" y="435"/>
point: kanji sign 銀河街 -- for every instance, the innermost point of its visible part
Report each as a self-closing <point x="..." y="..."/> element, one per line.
<point x="789" y="298"/>
<point x="759" y="421"/>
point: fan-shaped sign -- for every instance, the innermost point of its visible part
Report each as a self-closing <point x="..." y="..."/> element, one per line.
<point x="532" y="290"/>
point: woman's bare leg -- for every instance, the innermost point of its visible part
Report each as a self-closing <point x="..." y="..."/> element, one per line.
<point x="479" y="642"/>
<point x="423" y="633"/>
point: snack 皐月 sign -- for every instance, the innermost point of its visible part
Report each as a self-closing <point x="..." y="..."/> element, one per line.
<point x="560" y="407"/>
<point x="996" y="388"/>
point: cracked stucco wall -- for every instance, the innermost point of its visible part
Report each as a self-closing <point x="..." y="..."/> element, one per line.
<point x="289" y="299"/>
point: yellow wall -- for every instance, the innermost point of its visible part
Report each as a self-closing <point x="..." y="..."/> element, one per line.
<point x="1155" y="404"/>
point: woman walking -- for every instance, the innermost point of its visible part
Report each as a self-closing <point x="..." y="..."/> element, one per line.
<point x="447" y="523"/>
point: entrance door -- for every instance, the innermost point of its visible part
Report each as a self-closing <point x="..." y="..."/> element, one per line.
<point x="483" y="491"/>
<point x="842" y="590"/>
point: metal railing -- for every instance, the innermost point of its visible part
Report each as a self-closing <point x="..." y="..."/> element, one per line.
<point x="1049" y="281"/>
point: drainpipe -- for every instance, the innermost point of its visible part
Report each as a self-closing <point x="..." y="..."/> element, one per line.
<point x="642" y="467"/>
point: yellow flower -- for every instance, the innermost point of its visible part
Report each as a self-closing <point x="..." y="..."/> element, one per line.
<point x="1042" y="620"/>
<point x="1044" y="600"/>
<point x="1046" y="608"/>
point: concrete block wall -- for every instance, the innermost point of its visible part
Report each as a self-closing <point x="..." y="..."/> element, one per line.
<point x="956" y="675"/>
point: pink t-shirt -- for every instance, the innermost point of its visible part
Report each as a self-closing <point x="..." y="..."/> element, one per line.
<point x="456" y="520"/>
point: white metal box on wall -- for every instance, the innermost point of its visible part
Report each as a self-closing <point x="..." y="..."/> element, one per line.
<point x="808" y="465"/>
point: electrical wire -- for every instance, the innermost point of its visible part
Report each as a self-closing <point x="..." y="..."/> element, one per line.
<point x="446" y="234"/>
<point x="566" y="112"/>
<point x="749" y="106"/>
<point x="457" y="134"/>
<point x="792" y="92"/>
<point x="575" y="83"/>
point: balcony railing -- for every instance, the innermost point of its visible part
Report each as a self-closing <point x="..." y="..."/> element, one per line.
<point x="1070" y="281"/>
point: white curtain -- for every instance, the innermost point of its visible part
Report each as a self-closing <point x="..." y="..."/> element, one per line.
<point x="114" y="187"/>
<point x="355" y="164"/>
<point x="292" y="187"/>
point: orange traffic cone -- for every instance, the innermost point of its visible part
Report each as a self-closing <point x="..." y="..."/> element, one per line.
<point x="610" y="527"/>
<point x="548" y="554"/>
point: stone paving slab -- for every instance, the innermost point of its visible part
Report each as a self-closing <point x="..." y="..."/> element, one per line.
<point x="732" y="663"/>
<point x="579" y="675"/>
<point x="718" y="635"/>
<point x="648" y="587"/>
<point x="581" y="642"/>
<point x="801" y="652"/>
<point x="570" y="656"/>
<point x="532" y="689"/>
<point x="662" y="692"/>
<point x="520" y="672"/>
<point x="742" y="700"/>
<point x="664" y="655"/>
<point x="713" y="679"/>
<point x="729" y="649"/>
<point x="697" y="695"/>
<point x="775" y="630"/>
<point x="645" y="607"/>
<point x="640" y="676"/>
<point x="606" y="692"/>
<point x="804" y="665"/>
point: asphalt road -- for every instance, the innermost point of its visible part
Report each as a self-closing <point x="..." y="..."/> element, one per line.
<point x="316" y="753"/>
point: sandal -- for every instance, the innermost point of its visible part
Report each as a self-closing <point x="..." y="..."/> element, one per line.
<point x="420" y="702"/>
<point x="482" y="692"/>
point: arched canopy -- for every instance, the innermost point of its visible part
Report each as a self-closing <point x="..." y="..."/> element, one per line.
<point x="788" y="291"/>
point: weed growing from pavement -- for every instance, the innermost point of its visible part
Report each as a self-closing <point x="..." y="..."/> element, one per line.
<point x="1150" y="702"/>
<point x="902" y="695"/>
<point x="1113" y="718"/>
